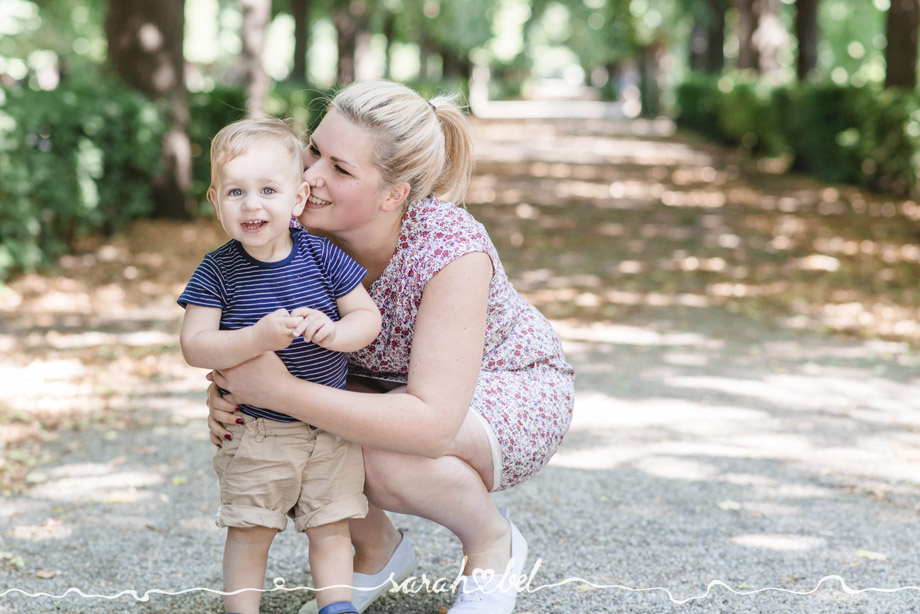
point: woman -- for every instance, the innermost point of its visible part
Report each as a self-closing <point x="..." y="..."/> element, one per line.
<point x="483" y="395"/>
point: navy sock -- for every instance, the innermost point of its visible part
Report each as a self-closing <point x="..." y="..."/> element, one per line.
<point x="339" y="607"/>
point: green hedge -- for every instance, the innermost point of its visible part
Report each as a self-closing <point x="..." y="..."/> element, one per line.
<point x="82" y="158"/>
<point x="73" y="160"/>
<point x="860" y="135"/>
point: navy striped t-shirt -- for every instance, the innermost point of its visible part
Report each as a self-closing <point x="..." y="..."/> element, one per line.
<point x="314" y="275"/>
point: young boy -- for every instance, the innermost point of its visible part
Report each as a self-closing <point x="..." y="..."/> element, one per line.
<point x="271" y="288"/>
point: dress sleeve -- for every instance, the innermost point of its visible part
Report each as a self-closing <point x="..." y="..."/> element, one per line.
<point x="206" y="288"/>
<point x="447" y="234"/>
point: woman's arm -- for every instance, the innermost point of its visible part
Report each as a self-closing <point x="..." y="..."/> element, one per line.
<point x="444" y="366"/>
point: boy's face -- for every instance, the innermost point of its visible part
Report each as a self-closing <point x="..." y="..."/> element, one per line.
<point x="255" y="195"/>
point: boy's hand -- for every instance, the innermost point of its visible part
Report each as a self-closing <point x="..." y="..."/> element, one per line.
<point x="276" y="330"/>
<point x="316" y="326"/>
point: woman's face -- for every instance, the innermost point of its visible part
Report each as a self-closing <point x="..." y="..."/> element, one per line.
<point x="346" y="188"/>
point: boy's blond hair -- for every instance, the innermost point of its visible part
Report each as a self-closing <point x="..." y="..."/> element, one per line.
<point x="235" y="139"/>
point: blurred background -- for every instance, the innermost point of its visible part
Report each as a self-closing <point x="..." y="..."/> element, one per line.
<point x="107" y="107"/>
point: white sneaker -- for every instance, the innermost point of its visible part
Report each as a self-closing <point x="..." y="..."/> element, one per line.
<point x="368" y="587"/>
<point x="495" y="595"/>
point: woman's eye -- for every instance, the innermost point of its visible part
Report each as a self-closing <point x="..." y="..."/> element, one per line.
<point x="313" y="150"/>
<point x="341" y="171"/>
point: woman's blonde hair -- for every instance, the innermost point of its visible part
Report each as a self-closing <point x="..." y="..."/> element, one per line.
<point x="424" y="143"/>
<point x="235" y="139"/>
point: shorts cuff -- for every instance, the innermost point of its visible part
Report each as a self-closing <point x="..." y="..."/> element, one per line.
<point x="354" y="506"/>
<point x="245" y="516"/>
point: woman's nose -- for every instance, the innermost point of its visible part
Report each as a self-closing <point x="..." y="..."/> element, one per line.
<point x="312" y="176"/>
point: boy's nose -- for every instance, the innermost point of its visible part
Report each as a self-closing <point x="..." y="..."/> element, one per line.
<point x="252" y="202"/>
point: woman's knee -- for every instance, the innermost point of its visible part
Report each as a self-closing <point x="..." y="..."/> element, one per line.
<point x="394" y="481"/>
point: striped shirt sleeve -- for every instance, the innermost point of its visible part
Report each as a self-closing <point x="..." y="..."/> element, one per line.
<point x="342" y="272"/>
<point x="206" y="287"/>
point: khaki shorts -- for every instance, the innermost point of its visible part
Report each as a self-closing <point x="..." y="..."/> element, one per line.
<point x="271" y="470"/>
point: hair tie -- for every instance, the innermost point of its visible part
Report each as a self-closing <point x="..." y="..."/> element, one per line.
<point x="433" y="108"/>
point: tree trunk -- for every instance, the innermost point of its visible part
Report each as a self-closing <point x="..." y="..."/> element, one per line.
<point x="300" y="9"/>
<point x="901" y="53"/>
<point x="256" y="15"/>
<point x="707" y="41"/>
<point x="806" y="33"/>
<point x="389" y="32"/>
<point x="350" y="18"/>
<point x="748" y="20"/>
<point x="649" y="93"/>
<point x="145" y="49"/>
<point x="770" y="38"/>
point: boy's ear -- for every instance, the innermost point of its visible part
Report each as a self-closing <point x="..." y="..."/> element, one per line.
<point x="396" y="196"/>
<point x="212" y="196"/>
<point x="302" y="193"/>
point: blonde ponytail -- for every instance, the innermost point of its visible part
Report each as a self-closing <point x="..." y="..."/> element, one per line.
<point x="425" y="144"/>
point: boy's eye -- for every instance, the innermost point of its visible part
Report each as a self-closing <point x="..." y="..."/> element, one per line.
<point x="268" y="190"/>
<point x="313" y="150"/>
<point x="235" y="192"/>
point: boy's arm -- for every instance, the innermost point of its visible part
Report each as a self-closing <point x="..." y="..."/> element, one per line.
<point x="205" y="345"/>
<point x="358" y="325"/>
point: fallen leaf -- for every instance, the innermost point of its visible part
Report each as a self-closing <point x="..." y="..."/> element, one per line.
<point x="46" y="574"/>
<point x="872" y="556"/>
<point x="729" y="505"/>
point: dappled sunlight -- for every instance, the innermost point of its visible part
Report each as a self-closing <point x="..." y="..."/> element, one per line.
<point x="94" y="482"/>
<point x="784" y="543"/>
<point x="682" y="407"/>
<point x="660" y="228"/>
<point x="48" y="530"/>
<point x="622" y="334"/>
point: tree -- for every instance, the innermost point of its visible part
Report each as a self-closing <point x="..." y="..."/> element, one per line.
<point x="806" y="33"/>
<point x="145" y="49"/>
<point x="351" y="21"/>
<point x="707" y="39"/>
<point x="748" y="18"/>
<point x="256" y="16"/>
<point x="901" y="53"/>
<point x="770" y="38"/>
<point x="300" y="9"/>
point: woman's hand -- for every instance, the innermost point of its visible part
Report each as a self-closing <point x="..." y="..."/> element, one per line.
<point x="257" y="381"/>
<point x="220" y="412"/>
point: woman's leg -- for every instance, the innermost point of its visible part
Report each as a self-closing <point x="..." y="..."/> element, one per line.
<point x="450" y="491"/>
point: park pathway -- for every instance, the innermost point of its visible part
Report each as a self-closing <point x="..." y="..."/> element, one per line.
<point x="736" y="446"/>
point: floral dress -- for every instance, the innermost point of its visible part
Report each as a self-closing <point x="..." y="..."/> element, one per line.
<point x="525" y="389"/>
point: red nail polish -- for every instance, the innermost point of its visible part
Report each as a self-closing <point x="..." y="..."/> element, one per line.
<point x="240" y="421"/>
<point x="228" y="436"/>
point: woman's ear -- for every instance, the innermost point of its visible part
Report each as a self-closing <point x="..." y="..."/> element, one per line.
<point x="396" y="196"/>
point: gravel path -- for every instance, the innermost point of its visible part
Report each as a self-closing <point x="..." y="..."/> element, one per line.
<point x="715" y="464"/>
